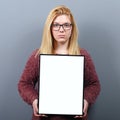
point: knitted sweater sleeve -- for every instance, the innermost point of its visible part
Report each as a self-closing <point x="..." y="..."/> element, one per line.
<point x="91" y="81"/>
<point x="28" y="79"/>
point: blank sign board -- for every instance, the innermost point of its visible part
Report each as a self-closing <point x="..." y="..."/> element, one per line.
<point x="61" y="84"/>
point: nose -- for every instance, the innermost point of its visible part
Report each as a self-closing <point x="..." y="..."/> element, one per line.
<point x="61" y="29"/>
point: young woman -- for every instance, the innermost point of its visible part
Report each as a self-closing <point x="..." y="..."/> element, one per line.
<point x="60" y="36"/>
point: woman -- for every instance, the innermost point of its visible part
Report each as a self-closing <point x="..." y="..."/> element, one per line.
<point x="60" y="36"/>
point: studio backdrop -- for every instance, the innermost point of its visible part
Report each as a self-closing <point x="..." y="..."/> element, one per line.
<point x="21" y="28"/>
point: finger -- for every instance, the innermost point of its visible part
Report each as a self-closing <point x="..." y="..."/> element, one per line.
<point x="36" y="113"/>
<point x="42" y="115"/>
<point x="35" y="110"/>
<point x="78" y="116"/>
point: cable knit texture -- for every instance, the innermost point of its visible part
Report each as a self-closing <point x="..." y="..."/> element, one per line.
<point x="30" y="77"/>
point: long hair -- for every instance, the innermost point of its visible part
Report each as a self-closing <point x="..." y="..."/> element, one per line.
<point x="47" y="39"/>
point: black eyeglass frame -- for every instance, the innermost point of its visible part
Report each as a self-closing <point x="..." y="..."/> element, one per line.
<point x="61" y="25"/>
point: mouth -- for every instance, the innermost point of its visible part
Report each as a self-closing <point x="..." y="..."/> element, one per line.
<point x="61" y="36"/>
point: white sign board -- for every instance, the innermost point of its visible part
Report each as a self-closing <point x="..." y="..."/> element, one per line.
<point x="61" y="84"/>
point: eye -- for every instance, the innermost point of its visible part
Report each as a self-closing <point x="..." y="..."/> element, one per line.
<point x="55" y="25"/>
<point x="67" y="25"/>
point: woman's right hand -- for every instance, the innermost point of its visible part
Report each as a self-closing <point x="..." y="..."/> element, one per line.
<point x="35" y="109"/>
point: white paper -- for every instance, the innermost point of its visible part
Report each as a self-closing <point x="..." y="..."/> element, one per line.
<point x="61" y="84"/>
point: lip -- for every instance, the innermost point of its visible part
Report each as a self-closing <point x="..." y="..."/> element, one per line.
<point x="61" y="36"/>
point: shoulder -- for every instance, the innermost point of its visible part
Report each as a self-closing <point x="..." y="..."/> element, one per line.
<point x="84" y="52"/>
<point x="33" y="57"/>
<point x="34" y="52"/>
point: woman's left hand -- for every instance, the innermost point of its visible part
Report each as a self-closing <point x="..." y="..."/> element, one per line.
<point x="85" y="109"/>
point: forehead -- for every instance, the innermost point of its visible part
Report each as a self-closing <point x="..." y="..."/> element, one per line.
<point x="62" y="19"/>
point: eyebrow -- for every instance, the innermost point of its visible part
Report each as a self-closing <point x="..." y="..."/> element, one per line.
<point x="62" y="23"/>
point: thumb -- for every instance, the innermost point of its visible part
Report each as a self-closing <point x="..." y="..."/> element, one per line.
<point x="35" y="107"/>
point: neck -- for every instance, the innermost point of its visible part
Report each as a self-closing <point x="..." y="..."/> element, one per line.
<point x="61" y="48"/>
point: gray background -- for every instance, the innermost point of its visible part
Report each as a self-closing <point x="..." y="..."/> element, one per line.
<point x="21" y="24"/>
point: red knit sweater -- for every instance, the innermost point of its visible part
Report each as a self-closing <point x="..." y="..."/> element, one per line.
<point x="30" y="77"/>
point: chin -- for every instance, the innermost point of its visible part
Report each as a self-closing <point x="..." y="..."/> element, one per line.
<point x="61" y="40"/>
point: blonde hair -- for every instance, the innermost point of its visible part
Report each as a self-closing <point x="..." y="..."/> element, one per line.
<point x="47" y="39"/>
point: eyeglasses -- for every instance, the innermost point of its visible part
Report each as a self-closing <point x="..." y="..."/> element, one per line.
<point x="65" y="26"/>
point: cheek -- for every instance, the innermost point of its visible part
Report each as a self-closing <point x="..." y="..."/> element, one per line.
<point x="69" y="34"/>
<point x="53" y="34"/>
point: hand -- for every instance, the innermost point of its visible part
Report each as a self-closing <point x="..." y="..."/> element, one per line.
<point x="35" y="109"/>
<point x="85" y="109"/>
